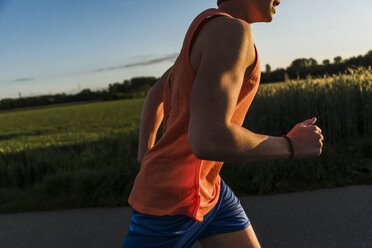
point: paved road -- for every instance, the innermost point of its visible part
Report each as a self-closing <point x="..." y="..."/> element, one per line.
<point x="340" y="217"/>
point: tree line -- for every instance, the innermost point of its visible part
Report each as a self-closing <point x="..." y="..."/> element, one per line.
<point x="139" y="86"/>
<point x="133" y="88"/>
<point x="305" y="67"/>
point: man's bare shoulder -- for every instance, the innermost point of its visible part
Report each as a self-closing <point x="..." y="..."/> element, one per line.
<point x="225" y="41"/>
<point x="224" y="28"/>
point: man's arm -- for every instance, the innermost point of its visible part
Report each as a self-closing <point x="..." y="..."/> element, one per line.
<point x="151" y="117"/>
<point x="226" y="47"/>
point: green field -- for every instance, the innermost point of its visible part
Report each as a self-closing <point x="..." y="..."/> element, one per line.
<point x="67" y="125"/>
<point x="84" y="155"/>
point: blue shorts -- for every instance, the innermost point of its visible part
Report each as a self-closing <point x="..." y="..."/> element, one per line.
<point x="183" y="231"/>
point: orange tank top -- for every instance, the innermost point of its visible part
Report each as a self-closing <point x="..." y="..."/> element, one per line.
<point x="171" y="180"/>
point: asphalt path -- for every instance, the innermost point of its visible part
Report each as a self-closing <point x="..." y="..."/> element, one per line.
<point x="339" y="217"/>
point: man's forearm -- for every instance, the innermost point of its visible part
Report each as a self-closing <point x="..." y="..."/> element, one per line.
<point x="234" y="143"/>
<point x="151" y="118"/>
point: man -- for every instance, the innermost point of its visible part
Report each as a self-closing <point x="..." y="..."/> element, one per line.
<point x="178" y="196"/>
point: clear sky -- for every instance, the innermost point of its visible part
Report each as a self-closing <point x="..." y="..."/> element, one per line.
<point x="50" y="46"/>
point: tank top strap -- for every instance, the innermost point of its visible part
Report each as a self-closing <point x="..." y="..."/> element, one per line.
<point x="194" y="28"/>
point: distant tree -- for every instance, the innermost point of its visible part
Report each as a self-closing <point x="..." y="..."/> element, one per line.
<point x="117" y="87"/>
<point x="268" y="68"/>
<point x="326" y="62"/>
<point x="85" y="92"/>
<point x="337" y="59"/>
<point x="303" y="63"/>
<point x="368" y="58"/>
<point x="298" y="64"/>
<point x="127" y="83"/>
<point x="311" y="62"/>
<point x="138" y="82"/>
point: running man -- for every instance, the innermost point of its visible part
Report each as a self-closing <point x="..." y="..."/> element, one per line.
<point x="178" y="196"/>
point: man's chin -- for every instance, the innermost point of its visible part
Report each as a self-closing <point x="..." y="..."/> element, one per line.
<point x="268" y="18"/>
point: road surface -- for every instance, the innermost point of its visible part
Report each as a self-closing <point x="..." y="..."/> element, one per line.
<point x="329" y="218"/>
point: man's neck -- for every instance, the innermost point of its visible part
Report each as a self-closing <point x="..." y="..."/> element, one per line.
<point x="234" y="10"/>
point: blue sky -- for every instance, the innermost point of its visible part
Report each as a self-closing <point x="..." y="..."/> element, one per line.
<point x="50" y="46"/>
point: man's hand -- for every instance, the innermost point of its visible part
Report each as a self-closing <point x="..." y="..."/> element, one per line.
<point x="307" y="139"/>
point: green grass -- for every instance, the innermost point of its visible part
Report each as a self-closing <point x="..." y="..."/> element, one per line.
<point x="68" y="156"/>
<point x="67" y="125"/>
<point x="84" y="155"/>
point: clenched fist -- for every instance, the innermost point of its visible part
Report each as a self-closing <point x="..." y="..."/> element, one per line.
<point x="307" y="139"/>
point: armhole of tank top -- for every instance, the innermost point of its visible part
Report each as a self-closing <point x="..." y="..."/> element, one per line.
<point x="255" y="66"/>
<point x="194" y="36"/>
<point x="169" y="97"/>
